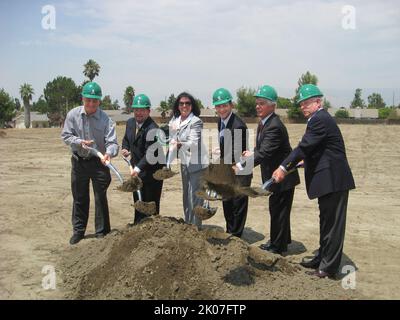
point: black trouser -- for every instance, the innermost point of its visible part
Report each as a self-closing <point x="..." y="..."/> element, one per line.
<point x="235" y="209"/>
<point x="82" y="172"/>
<point x="280" y="205"/>
<point x="333" y="209"/>
<point x="151" y="191"/>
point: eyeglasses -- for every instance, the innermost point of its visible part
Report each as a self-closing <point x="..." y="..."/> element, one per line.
<point x="185" y="103"/>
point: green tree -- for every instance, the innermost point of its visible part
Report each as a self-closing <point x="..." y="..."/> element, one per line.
<point x="375" y="101"/>
<point x="106" y="103"/>
<point x="306" y="78"/>
<point x="61" y="95"/>
<point x="246" y="102"/>
<point x="7" y="108"/>
<point x="17" y="104"/>
<point x="200" y="104"/>
<point x="129" y="95"/>
<point x="40" y="105"/>
<point x="164" y="109"/>
<point x="294" y="111"/>
<point x="26" y="92"/>
<point x="326" y="104"/>
<point x="115" y="104"/>
<point x="171" y="101"/>
<point x="342" y="113"/>
<point x="284" y="103"/>
<point x="383" y="113"/>
<point x="91" y="69"/>
<point x="357" y="101"/>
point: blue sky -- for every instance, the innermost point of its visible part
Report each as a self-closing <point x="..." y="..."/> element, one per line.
<point x="167" y="46"/>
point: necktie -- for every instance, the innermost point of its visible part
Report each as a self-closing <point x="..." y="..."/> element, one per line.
<point x="221" y="133"/>
<point x="136" y="130"/>
<point x="259" y="128"/>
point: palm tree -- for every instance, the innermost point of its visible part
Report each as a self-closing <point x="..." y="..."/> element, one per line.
<point x="26" y="92"/>
<point x="129" y="95"/>
<point x="91" y="70"/>
<point x="164" y="108"/>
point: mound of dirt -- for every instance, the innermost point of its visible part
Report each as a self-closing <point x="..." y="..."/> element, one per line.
<point x="164" y="258"/>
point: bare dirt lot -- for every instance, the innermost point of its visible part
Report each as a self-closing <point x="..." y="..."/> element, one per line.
<point x="35" y="227"/>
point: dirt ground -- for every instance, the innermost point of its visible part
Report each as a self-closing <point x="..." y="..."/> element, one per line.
<point x="35" y="227"/>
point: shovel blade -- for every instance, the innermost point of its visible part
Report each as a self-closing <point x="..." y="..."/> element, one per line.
<point x="148" y="208"/>
<point x="204" y="213"/>
<point x="164" y="173"/>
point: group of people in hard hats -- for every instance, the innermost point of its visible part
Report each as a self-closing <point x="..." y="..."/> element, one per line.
<point x="321" y="152"/>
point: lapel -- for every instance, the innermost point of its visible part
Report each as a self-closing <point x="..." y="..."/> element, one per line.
<point x="141" y="130"/>
<point x="185" y="123"/>
<point x="229" y="125"/>
<point x="266" y="124"/>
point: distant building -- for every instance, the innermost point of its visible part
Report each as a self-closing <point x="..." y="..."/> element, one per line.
<point x="358" y="113"/>
<point x="37" y="121"/>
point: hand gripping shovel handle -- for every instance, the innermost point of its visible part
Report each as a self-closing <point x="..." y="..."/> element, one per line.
<point x="267" y="184"/>
<point x="108" y="164"/>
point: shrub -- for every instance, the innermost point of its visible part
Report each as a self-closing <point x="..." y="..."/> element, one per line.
<point x="383" y="113"/>
<point x="342" y="113"/>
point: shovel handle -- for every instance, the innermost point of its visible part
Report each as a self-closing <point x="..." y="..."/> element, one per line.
<point x="128" y="163"/>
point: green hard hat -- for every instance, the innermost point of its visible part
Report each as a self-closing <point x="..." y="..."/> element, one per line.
<point x="221" y="96"/>
<point x="91" y="90"/>
<point x="267" y="92"/>
<point x="141" y="101"/>
<point x="308" y="91"/>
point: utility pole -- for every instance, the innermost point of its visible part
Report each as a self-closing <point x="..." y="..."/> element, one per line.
<point x="393" y="100"/>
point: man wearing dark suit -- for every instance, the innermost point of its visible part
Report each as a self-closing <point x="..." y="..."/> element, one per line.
<point x="272" y="147"/>
<point x="136" y="142"/>
<point x="232" y="142"/>
<point x="328" y="178"/>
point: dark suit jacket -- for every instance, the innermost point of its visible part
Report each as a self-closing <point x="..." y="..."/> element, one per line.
<point x="325" y="163"/>
<point x="138" y="146"/>
<point x="272" y="148"/>
<point x="235" y="147"/>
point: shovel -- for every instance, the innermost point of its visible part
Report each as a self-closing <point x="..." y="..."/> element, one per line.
<point x="135" y="184"/>
<point x="264" y="190"/>
<point x="108" y="164"/>
<point x="166" y="172"/>
<point x="205" y="211"/>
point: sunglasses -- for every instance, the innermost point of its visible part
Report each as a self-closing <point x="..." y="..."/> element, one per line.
<point x="186" y="103"/>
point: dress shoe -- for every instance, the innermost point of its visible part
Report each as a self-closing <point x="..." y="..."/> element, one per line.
<point x="265" y="246"/>
<point x="312" y="264"/>
<point x="271" y="248"/>
<point x="75" y="239"/>
<point x="320" y="274"/>
<point x="100" y="236"/>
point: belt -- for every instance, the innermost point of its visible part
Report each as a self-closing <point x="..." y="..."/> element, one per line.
<point x="79" y="158"/>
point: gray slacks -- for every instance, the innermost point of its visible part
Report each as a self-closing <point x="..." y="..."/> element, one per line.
<point x="191" y="183"/>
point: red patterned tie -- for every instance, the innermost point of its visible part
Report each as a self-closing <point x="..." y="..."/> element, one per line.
<point x="259" y="128"/>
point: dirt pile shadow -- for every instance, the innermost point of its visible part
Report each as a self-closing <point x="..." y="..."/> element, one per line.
<point x="164" y="258"/>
